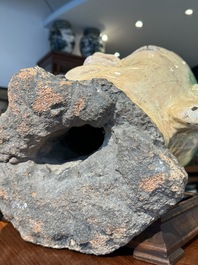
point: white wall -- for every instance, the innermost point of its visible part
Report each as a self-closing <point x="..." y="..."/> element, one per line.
<point x="23" y="39"/>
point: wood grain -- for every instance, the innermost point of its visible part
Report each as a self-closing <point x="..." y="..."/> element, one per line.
<point x="2" y="225"/>
<point x="15" y="251"/>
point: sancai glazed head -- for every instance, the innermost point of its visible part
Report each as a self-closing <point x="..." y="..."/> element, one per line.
<point x="159" y="82"/>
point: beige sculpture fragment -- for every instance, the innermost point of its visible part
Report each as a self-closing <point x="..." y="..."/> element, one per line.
<point x="160" y="83"/>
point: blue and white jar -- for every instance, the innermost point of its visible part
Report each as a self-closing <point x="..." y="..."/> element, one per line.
<point x="61" y="36"/>
<point x="91" y="42"/>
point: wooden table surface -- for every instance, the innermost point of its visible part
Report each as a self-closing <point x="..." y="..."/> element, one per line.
<point x="15" y="251"/>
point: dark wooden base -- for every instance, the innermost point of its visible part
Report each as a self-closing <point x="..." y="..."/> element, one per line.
<point x="161" y="242"/>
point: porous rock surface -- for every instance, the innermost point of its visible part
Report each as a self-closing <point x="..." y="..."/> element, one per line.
<point x="57" y="189"/>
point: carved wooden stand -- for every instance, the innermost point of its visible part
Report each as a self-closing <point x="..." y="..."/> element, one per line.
<point x="161" y="242"/>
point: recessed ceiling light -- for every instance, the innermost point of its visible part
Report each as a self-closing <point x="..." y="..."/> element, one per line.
<point x="104" y="37"/>
<point x="188" y="12"/>
<point x="139" y="24"/>
<point x="117" y="54"/>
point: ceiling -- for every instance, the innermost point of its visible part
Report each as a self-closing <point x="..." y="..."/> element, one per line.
<point x="164" y="23"/>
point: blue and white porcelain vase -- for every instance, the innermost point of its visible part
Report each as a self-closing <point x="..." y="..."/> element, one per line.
<point x="61" y="36"/>
<point x="91" y="42"/>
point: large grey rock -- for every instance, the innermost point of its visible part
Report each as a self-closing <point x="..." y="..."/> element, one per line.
<point x="82" y="166"/>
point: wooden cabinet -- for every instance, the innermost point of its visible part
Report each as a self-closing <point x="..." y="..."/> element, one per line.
<point x="3" y="99"/>
<point x="192" y="171"/>
<point x="60" y="62"/>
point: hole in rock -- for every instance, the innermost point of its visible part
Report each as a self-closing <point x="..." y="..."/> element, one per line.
<point x="85" y="140"/>
<point x="75" y="143"/>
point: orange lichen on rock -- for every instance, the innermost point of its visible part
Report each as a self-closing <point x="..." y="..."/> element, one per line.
<point x="152" y="183"/>
<point x="23" y="127"/>
<point x="34" y="194"/>
<point x="12" y="105"/>
<point x="37" y="226"/>
<point x="63" y="83"/>
<point x="46" y="99"/>
<point x="78" y="106"/>
<point x="29" y="72"/>
<point x="3" y="193"/>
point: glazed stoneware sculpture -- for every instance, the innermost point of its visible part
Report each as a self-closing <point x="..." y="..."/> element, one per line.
<point x="161" y="84"/>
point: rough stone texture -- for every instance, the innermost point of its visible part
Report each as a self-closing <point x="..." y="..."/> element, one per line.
<point x="60" y="192"/>
<point x="161" y="84"/>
